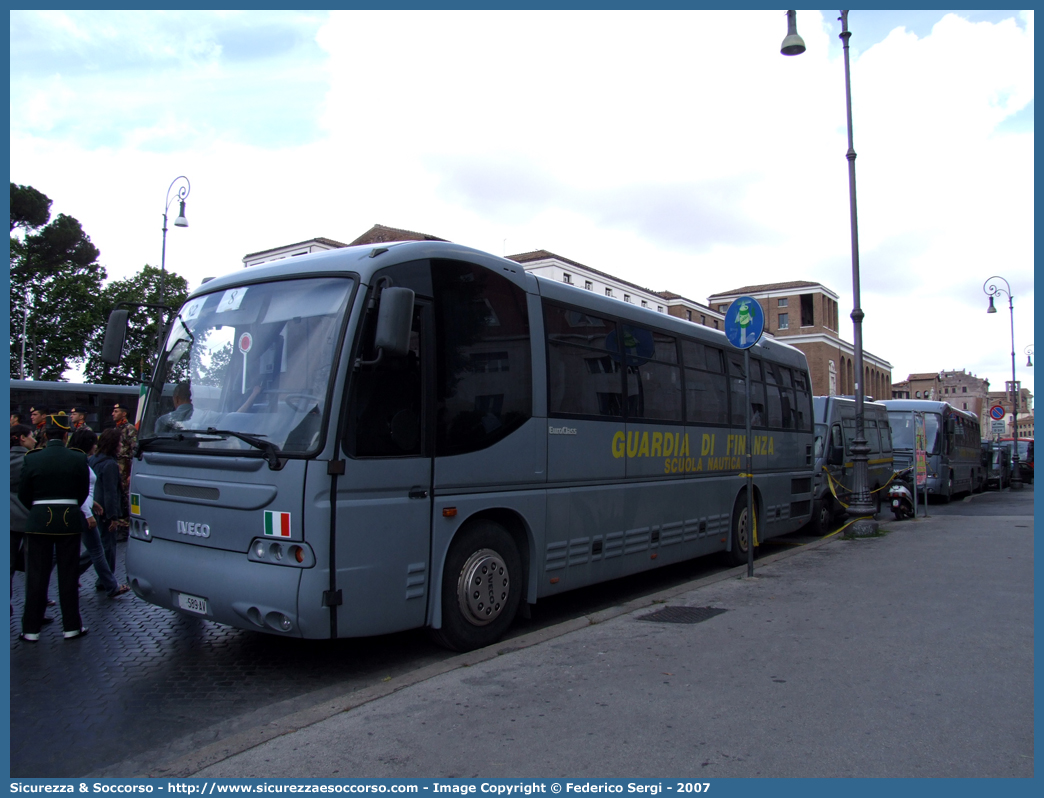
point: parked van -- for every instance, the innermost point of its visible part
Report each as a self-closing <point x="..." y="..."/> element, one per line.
<point x="835" y="430"/>
<point x="1000" y="467"/>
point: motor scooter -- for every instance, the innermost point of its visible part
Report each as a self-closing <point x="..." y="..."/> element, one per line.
<point x="900" y="496"/>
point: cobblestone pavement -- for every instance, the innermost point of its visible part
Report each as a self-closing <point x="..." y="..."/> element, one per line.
<point x="150" y="680"/>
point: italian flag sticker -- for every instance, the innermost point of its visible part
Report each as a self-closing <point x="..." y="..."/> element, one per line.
<point x="277" y="524"/>
<point x="135" y="504"/>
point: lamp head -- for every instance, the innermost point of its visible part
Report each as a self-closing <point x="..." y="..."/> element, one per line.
<point x="1029" y="361"/>
<point x="991" y="309"/>
<point x="793" y="44"/>
<point x="181" y="221"/>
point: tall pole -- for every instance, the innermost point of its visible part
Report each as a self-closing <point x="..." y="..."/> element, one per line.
<point x="182" y="194"/>
<point x="862" y="506"/>
<point x="992" y="289"/>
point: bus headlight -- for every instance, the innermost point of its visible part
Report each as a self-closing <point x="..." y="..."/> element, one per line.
<point x="139" y="530"/>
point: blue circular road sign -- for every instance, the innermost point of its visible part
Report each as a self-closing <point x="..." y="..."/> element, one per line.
<point x="744" y="322"/>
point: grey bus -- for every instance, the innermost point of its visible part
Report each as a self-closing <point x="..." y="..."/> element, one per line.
<point x="953" y="444"/>
<point x="95" y="401"/>
<point x="419" y="434"/>
<point x="835" y="428"/>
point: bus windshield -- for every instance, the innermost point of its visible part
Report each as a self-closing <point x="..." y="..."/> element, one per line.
<point x="902" y="424"/>
<point x="248" y="368"/>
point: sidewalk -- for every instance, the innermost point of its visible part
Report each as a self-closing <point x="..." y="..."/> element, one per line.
<point x="906" y="655"/>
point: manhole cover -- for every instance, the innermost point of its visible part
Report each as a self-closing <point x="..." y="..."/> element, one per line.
<point x="682" y="614"/>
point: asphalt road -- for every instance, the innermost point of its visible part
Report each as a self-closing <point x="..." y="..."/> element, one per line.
<point x="148" y="685"/>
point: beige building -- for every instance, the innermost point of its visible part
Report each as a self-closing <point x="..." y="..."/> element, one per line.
<point x="555" y="267"/>
<point x="806" y="316"/>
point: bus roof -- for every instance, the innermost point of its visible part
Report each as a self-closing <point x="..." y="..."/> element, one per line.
<point x="365" y="261"/>
<point x="925" y="406"/>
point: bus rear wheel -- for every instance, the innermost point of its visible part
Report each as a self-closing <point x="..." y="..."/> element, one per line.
<point x="481" y="587"/>
<point x="740" y="531"/>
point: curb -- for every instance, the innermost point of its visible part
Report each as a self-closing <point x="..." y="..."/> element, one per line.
<point x="189" y="765"/>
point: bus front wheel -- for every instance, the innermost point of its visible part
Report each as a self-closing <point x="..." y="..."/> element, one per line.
<point x="822" y="516"/>
<point x="740" y="531"/>
<point x="481" y="587"/>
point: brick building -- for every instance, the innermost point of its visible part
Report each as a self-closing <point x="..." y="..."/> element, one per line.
<point x="806" y="316"/>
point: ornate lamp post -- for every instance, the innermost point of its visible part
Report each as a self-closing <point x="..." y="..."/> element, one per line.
<point x="1028" y="352"/>
<point x="862" y="506"/>
<point x="181" y="221"/>
<point x="992" y="288"/>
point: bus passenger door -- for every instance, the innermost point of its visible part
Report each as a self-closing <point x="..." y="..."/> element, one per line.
<point x="384" y="497"/>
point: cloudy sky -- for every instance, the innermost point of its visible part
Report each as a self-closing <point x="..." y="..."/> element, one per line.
<point x="677" y="150"/>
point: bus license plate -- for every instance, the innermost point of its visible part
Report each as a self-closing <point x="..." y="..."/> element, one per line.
<point x="192" y="603"/>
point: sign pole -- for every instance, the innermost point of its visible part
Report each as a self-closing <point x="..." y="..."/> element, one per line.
<point x="744" y="326"/>
<point x="749" y="449"/>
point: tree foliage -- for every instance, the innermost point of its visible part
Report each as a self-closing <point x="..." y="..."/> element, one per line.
<point x="29" y="208"/>
<point x="55" y="284"/>
<point x="139" y="349"/>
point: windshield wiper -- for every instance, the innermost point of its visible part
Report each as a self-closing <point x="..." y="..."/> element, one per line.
<point x="269" y="449"/>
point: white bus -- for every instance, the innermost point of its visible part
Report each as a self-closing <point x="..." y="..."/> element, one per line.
<point x="423" y="435"/>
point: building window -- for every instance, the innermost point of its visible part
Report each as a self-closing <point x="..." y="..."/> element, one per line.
<point x="715" y="324"/>
<point x="964" y="389"/>
<point x="917" y="394"/>
<point x="722" y="308"/>
<point x="688" y="315"/>
<point x="784" y="321"/>
<point x="567" y="278"/>
<point x="627" y="298"/>
<point x="703" y="320"/>
<point x="965" y="405"/>
<point x="608" y="291"/>
<point x="781" y="303"/>
<point x="588" y="285"/>
<point x="806" y="310"/>
<point x="645" y="304"/>
<point x="659" y="308"/>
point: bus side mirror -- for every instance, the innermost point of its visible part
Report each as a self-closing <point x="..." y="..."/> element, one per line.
<point x="115" y="335"/>
<point x="395" y="321"/>
<point x="836" y="456"/>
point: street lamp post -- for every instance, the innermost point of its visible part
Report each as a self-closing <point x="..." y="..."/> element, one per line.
<point x="1028" y="352"/>
<point x="862" y="506"/>
<point x="992" y="288"/>
<point x="181" y="194"/>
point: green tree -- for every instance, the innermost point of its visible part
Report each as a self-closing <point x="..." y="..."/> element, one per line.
<point x="55" y="282"/>
<point x="139" y="348"/>
<point x="29" y="208"/>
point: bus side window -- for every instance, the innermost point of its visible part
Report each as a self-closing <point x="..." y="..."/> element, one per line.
<point x="385" y="409"/>
<point x="654" y="389"/>
<point x="706" y="390"/>
<point x="872" y="438"/>
<point x="584" y="377"/>
<point x="484" y="386"/>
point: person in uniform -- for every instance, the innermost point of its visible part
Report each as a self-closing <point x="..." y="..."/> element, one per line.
<point x="38" y="418"/>
<point x="79" y="419"/>
<point x="55" y="482"/>
<point x="128" y="440"/>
